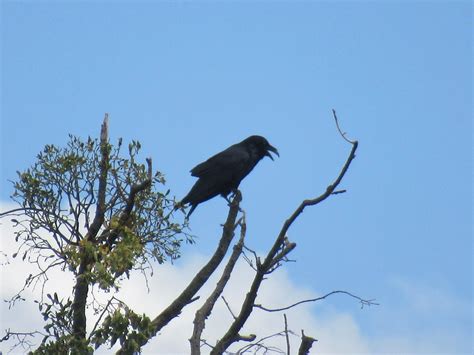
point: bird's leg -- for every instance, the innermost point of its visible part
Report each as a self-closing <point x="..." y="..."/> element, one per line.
<point x="232" y="193"/>
<point x="227" y="199"/>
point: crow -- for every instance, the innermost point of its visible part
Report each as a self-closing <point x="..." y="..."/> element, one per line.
<point x="223" y="172"/>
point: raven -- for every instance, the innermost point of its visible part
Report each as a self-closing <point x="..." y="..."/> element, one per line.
<point x="223" y="172"/>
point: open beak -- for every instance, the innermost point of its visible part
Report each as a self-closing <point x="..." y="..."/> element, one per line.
<point x="271" y="149"/>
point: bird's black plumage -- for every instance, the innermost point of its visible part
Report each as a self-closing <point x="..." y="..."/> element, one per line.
<point x="223" y="172"/>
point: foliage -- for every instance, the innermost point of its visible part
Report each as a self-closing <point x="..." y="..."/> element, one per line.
<point x="59" y="201"/>
<point x="129" y="328"/>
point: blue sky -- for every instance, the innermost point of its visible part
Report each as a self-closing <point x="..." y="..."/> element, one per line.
<point x="188" y="79"/>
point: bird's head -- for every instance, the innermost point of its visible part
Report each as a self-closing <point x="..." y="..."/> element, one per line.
<point x="262" y="146"/>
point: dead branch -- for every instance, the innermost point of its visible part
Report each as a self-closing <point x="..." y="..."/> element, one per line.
<point x="231" y="335"/>
<point x="188" y="294"/>
<point x="343" y="134"/>
<point x="362" y="301"/>
<point x="228" y="307"/>
<point x="203" y="313"/>
<point x="260" y="344"/>
<point x="22" y="339"/>
<point x="286" y="335"/>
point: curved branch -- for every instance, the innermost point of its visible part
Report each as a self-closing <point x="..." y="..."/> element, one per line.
<point x="343" y="134"/>
<point x="362" y="301"/>
<point x="231" y="335"/>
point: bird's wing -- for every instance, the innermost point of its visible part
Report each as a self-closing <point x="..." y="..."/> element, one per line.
<point x="233" y="158"/>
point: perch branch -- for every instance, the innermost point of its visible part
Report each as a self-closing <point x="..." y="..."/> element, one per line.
<point x="231" y="335"/>
<point x="187" y="295"/>
<point x="204" y="312"/>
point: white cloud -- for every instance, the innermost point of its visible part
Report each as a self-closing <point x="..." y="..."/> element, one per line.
<point x="165" y="285"/>
<point x="336" y="330"/>
<point x="427" y="319"/>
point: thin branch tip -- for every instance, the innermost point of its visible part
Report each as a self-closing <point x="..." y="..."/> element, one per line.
<point x="343" y="134"/>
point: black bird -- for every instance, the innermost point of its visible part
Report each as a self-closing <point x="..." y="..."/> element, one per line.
<point x="223" y="172"/>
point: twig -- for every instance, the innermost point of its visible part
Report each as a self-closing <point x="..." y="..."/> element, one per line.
<point x="228" y="307"/>
<point x="286" y="335"/>
<point x="100" y="318"/>
<point x="343" y="134"/>
<point x="66" y="222"/>
<point x="21" y="339"/>
<point x="259" y="344"/>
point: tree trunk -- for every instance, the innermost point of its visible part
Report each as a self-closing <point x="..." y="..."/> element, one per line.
<point x="81" y="290"/>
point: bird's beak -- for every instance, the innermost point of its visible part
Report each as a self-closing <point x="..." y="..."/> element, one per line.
<point x="271" y="149"/>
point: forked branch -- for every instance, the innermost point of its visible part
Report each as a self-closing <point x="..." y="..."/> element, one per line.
<point x="188" y="295"/>
<point x="203" y="313"/>
<point x="277" y="251"/>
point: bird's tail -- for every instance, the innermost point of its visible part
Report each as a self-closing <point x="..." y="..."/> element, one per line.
<point x="193" y="207"/>
<point x="184" y="202"/>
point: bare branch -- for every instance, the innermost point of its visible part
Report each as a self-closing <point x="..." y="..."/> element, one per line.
<point x="203" y="313"/>
<point x="231" y="335"/>
<point x="22" y="339"/>
<point x="363" y="302"/>
<point x="260" y="344"/>
<point x="65" y="221"/>
<point x="186" y="296"/>
<point x="343" y="134"/>
<point x="288" y="352"/>
<point x="105" y="310"/>
<point x="228" y="307"/>
<point x="248" y="260"/>
<point x="281" y="255"/>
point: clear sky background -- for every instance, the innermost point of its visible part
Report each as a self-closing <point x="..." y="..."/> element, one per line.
<point x="188" y="79"/>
